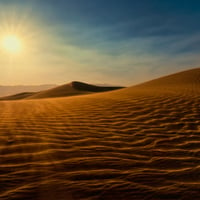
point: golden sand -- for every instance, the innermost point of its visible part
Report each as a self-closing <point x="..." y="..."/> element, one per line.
<point x="138" y="143"/>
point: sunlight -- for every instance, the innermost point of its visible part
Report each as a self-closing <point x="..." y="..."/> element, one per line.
<point x="12" y="44"/>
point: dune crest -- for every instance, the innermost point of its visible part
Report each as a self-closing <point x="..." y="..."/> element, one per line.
<point x="178" y="80"/>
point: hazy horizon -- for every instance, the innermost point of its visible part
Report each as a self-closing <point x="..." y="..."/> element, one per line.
<point x="116" y="43"/>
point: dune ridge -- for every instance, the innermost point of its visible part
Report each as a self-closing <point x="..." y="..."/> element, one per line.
<point x="141" y="142"/>
<point x="70" y="89"/>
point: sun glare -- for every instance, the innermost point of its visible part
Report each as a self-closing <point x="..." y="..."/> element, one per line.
<point x="12" y="44"/>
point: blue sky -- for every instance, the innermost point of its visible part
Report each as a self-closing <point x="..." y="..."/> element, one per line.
<point x="121" y="42"/>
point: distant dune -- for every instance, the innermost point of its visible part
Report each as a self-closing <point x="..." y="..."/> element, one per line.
<point x="18" y="96"/>
<point x="70" y="89"/>
<point x="11" y="90"/>
<point x="137" y="143"/>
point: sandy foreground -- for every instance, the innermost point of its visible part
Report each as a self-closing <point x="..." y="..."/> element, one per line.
<point x="141" y="142"/>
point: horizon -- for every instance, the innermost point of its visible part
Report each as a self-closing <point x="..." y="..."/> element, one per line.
<point x="98" y="42"/>
<point x="99" y="84"/>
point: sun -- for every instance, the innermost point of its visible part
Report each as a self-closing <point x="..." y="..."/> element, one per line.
<point x="12" y="44"/>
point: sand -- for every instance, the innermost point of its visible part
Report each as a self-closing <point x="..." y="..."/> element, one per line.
<point x="141" y="142"/>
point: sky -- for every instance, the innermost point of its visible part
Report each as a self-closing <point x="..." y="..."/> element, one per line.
<point x="116" y="42"/>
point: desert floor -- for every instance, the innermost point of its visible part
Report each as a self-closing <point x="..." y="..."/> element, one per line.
<point x="141" y="142"/>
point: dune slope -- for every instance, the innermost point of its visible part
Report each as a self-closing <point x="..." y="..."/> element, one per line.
<point x="140" y="143"/>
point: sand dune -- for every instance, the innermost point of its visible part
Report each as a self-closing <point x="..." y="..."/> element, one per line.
<point x="10" y="90"/>
<point x="141" y="142"/>
<point x="18" y="96"/>
<point x="70" y="89"/>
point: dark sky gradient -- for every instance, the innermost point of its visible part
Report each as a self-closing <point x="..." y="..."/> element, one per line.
<point x="112" y="41"/>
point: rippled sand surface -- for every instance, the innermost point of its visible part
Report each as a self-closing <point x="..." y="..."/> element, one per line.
<point x="142" y="142"/>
